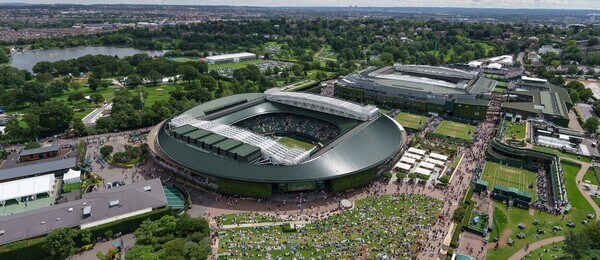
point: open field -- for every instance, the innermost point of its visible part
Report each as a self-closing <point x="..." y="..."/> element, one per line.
<point x="498" y="174"/>
<point x="548" y="252"/>
<point x="362" y="229"/>
<point x="411" y="121"/>
<point x="516" y="130"/>
<point x="291" y="142"/>
<point x="455" y="130"/>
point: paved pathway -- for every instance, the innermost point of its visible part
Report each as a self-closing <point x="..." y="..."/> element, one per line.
<point x="522" y="253"/>
<point x="586" y="195"/>
<point x="264" y="224"/>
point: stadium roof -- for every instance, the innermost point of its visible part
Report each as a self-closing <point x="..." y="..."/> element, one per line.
<point x="323" y="104"/>
<point x="37" y="222"/>
<point x="544" y="102"/>
<point x="483" y="85"/>
<point x="434" y="71"/>
<point x="341" y="159"/>
<point x="43" y="149"/>
<point x="35" y="169"/>
<point x="231" y="56"/>
<point x="389" y="77"/>
<point x="474" y="102"/>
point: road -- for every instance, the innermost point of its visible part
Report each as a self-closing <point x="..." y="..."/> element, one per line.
<point x="92" y="117"/>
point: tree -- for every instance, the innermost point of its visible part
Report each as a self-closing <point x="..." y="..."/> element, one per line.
<point x="400" y="176"/>
<point x="574" y="95"/>
<point x="141" y="252"/>
<point x="133" y="81"/>
<point x="155" y="77"/>
<point x="96" y="98"/>
<point x="106" y="150"/>
<point x="33" y="92"/>
<point x="76" y="97"/>
<point x="187" y="225"/>
<point x="59" y="243"/>
<point x="95" y="82"/>
<point x="85" y="236"/>
<point x="51" y="118"/>
<point x="444" y="180"/>
<point x="188" y="72"/>
<point x="56" y="88"/>
<point x="576" y="244"/>
<point x="591" y="125"/>
<point x="460" y="212"/>
<point x="32" y="145"/>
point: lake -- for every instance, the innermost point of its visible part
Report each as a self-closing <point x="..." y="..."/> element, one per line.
<point x="26" y="60"/>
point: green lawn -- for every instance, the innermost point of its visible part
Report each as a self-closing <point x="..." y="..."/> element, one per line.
<point x="291" y="142"/>
<point x="498" y="174"/>
<point x="547" y="252"/>
<point x="233" y="65"/>
<point x="516" y="130"/>
<point x="499" y="222"/>
<point x="575" y="197"/>
<point x="411" y="121"/>
<point x="455" y="130"/>
<point x="590" y="176"/>
<point x="160" y="92"/>
<point x="351" y="229"/>
<point x="71" y="187"/>
<point x="561" y="154"/>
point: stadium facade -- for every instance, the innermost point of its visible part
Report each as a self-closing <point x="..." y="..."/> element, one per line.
<point x="233" y="57"/>
<point x="231" y="144"/>
<point x="422" y="88"/>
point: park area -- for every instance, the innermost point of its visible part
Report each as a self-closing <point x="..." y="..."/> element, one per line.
<point x="374" y="226"/>
<point x="498" y="174"/>
<point x="506" y="220"/>
<point x="291" y="142"/>
<point x="411" y="121"/>
<point x="455" y="130"/>
<point x="515" y="130"/>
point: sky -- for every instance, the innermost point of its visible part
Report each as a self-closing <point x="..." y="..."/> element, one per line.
<point x="542" y="4"/>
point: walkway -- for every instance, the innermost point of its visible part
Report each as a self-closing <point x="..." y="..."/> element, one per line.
<point x="264" y="224"/>
<point x="586" y="195"/>
<point x="522" y="253"/>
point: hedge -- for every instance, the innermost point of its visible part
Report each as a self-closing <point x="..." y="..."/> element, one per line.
<point x="25" y="249"/>
<point x="245" y="189"/>
<point x="352" y="181"/>
<point x="128" y="225"/>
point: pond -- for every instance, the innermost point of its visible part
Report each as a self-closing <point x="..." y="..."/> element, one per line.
<point x="26" y="60"/>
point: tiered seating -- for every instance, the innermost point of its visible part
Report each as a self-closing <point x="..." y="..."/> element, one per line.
<point x="280" y="124"/>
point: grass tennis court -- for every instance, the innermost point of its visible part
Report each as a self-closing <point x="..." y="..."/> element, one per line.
<point x="498" y="174"/>
<point x="291" y="142"/>
<point x="411" y="121"/>
<point x="455" y="130"/>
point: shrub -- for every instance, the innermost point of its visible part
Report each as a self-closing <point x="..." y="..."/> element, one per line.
<point x="32" y="145"/>
<point x="106" y="150"/>
<point x="400" y="176"/>
<point x="444" y="180"/>
<point x="387" y="175"/>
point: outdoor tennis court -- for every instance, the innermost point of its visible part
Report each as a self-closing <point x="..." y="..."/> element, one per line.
<point x="498" y="174"/>
<point x="411" y="121"/>
<point x="455" y="130"/>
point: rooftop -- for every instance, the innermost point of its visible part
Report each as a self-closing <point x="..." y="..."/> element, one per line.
<point x="44" y="149"/>
<point x="131" y="197"/>
<point x="35" y="169"/>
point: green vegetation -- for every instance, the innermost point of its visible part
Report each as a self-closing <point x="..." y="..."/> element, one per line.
<point x="71" y="187"/>
<point x="547" y="252"/>
<point x="455" y="130"/>
<point x="318" y="239"/>
<point x="245" y="218"/>
<point x="291" y="142"/>
<point x="131" y="156"/>
<point x="352" y="181"/>
<point x="591" y="177"/>
<point x="515" y="130"/>
<point x="245" y="189"/>
<point x="411" y="121"/>
<point x="508" y="176"/>
<point x="499" y="224"/>
<point x="169" y="237"/>
<point x="547" y="221"/>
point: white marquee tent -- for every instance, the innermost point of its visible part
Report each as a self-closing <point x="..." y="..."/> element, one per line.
<point x="407" y="160"/>
<point x="26" y="187"/>
<point x="72" y="176"/>
<point x="434" y="161"/>
<point x="416" y="151"/>
<point x="423" y="171"/>
<point x="412" y="155"/>
<point x="438" y="156"/>
<point x="403" y="166"/>
<point x="426" y="165"/>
